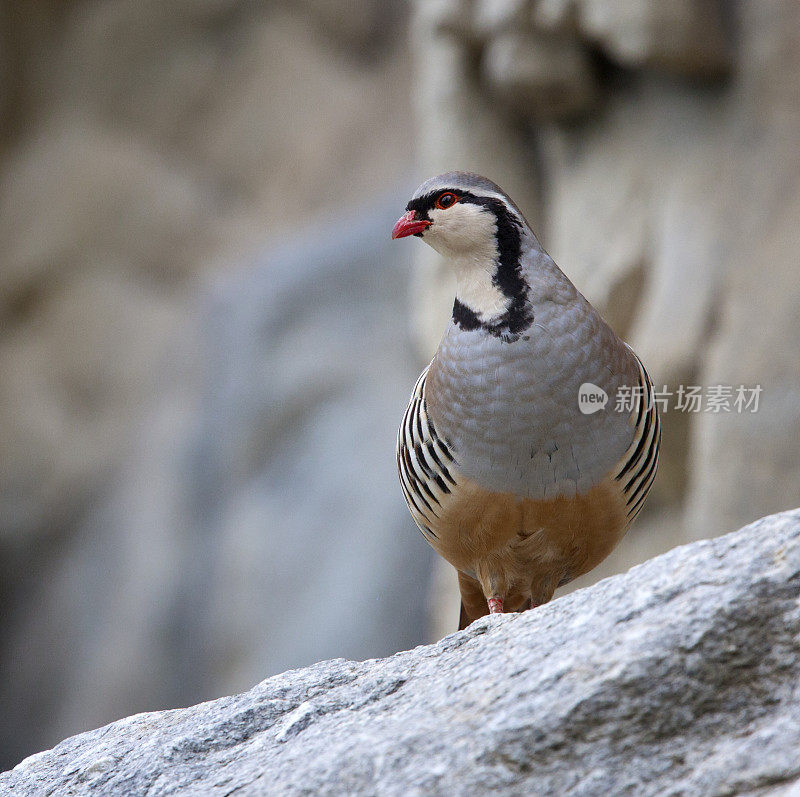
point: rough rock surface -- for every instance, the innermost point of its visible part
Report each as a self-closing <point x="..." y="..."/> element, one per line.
<point x="679" y="677"/>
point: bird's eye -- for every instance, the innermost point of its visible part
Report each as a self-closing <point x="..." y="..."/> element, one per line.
<point x="446" y="199"/>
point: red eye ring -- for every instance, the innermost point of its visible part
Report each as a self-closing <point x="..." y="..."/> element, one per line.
<point x="446" y="200"/>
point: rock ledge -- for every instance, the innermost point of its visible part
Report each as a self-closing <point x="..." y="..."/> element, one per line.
<point x="679" y="677"/>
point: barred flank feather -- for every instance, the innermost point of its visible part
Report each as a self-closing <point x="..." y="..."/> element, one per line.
<point x="424" y="462"/>
<point x="637" y="468"/>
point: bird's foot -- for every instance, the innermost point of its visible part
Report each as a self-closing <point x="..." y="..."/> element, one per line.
<point x="495" y="605"/>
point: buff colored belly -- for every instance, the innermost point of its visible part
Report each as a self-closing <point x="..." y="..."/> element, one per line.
<point x="522" y="549"/>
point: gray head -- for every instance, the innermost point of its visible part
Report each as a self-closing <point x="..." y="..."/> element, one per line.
<point x="480" y="232"/>
<point x="458" y="211"/>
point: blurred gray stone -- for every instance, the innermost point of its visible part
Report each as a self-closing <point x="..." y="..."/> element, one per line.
<point x="152" y="145"/>
<point x="207" y="86"/>
<point x="153" y="154"/>
<point x="764" y="355"/>
<point x="684" y="36"/>
<point x="540" y="76"/>
<point x="257" y="524"/>
<point x="362" y="27"/>
<point x="309" y="367"/>
<point x="494" y="16"/>
<point x="451" y="18"/>
<point x="680" y="677"/>
<point x="748" y="463"/>
<point x="558" y="16"/>
<point x="87" y="311"/>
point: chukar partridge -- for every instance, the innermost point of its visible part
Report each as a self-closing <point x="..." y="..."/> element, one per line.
<point x="508" y="478"/>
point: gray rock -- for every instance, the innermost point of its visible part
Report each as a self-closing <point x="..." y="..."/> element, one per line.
<point x="258" y="525"/>
<point x="679" y="677"/>
<point x="539" y="75"/>
<point x="363" y="26"/>
<point x="555" y="15"/>
<point x="147" y="147"/>
<point x="153" y="154"/>
<point x="492" y="16"/>
<point x="683" y="36"/>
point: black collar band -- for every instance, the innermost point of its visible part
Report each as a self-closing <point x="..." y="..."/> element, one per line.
<point x="508" y="277"/>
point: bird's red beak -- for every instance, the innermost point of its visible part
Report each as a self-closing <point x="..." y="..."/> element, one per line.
<point x="409" y="224"/>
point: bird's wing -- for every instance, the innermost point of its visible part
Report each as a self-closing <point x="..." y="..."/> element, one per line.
<point x="636" y="470"/>
<point x="424" y="462"/>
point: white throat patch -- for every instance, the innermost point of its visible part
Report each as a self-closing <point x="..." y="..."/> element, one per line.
<point x="465" y="235"/>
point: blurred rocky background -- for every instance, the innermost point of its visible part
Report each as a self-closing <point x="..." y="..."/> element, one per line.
<point x="208" y="339"/>
<point x="204" y="351"/>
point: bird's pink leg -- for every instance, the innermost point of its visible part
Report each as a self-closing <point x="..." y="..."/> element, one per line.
<point x="495" y="605"/>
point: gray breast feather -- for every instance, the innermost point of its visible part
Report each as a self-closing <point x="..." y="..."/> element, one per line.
<point x="510" y="411"/>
